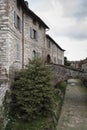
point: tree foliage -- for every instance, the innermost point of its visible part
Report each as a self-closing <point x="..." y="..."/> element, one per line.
<point x="32" y="91"/>
<point x="66" y="62"/>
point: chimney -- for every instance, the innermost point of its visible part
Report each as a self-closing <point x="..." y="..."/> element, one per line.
<point x="26" y="2"/>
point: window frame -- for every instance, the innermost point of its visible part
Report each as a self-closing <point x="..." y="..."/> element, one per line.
<point x="17" y="22"/>
<point x="33" y="34"/>
<point x="49" y="44"/>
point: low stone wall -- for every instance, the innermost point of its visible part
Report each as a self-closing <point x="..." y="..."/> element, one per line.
<point x="3" y="83"/>
<point x="3" y="89"/>
<point x="62" y="72"/>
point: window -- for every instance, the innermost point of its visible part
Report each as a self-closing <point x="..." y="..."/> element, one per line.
<point x="17" y="22"/>
<point x="33" y="34"/>
<point x="17" y="52"/>
<point x="34" y="21"/>
<point x="49" y="44"/>
<point x="40" y="27"/>
<point x="18" y="4"/>
<point x="48" y="58"/>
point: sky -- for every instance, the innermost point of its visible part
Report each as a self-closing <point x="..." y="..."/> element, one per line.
<point x="67" y="20"/>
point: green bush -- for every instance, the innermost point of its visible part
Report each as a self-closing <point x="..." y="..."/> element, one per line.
<point x="41" y="123"/>
<point x="62" y="87"/>
<point x="32" y="91"/>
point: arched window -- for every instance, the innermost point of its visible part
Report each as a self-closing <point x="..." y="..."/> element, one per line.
<point x="48" y="59"/>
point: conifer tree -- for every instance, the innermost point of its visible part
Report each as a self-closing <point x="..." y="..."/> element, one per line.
<point x="32" y="91"/>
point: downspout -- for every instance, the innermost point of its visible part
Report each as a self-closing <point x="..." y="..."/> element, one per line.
<point x="45" y="41"/>
<point x="22" y="39"/>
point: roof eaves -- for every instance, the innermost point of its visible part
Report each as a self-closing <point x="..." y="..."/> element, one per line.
<point x="32" y="14"/>
<point x="54" y="42"/>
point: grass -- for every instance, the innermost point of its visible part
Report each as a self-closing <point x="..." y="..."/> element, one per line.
<point x="61" y="86"/>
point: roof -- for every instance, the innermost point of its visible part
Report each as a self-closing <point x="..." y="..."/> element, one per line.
<point x="84" y="61"/>
<point x="32" y="14"/>
<point x="54" y="42"/>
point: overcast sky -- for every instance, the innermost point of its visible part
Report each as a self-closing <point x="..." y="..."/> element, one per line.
<point x="67" y="20"/>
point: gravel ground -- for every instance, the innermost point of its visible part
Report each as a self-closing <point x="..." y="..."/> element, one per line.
<point x="74" y="111"/>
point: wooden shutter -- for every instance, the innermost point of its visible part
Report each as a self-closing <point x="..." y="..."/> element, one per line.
<point x="20" y="25"/>
<point x="15" y="19"/>
<point x="36" y="35"/>
<point x="31" y="32"/>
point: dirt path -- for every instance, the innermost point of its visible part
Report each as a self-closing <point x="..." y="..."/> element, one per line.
<point x="74" y="110"/>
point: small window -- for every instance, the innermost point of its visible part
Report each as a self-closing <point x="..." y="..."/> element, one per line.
<point x="49" y="44"/>
<point x="18" y="4"/>
<point x="33" y="34"/>
<point x="17" y="22"/>
<point x="40" y="27"/>
<point x="34" y="21"/>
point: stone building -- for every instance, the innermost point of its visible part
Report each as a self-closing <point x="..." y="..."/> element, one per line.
<point x="23" y="35"/>
<point x="81" y="65"/>
<point x="75" y="64"/>
<point x="84" y="65"/>
<point x="54" y="53"/>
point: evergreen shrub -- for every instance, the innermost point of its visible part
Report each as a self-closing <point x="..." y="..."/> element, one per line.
<point x="31" y="91"/>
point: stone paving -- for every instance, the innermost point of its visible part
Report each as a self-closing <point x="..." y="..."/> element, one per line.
<point x="74" y="111"/>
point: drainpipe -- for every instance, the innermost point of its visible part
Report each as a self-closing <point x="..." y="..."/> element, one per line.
<point x="46" y="50"/>
<point x="22" y="39"/>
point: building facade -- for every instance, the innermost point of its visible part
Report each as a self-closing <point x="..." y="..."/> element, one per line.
<point x="54" y="53"/>
<point x="84" y="65"/>
<point x="75" y="64"/>
<point x="81" y="65"/>
<point x="23" y="35"/>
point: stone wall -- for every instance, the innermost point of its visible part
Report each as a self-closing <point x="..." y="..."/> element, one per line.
<point x="32" y="44"/>
<point x="3" y="83"/>
<point x="17" y="47"/>
<point x="4" y="86"/>
<point x="62" y="72"/>
<point x="4" y="32"/>
<point x="15" y="36"/>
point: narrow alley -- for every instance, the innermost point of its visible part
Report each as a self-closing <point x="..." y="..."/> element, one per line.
<point x="74" y="111"/>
